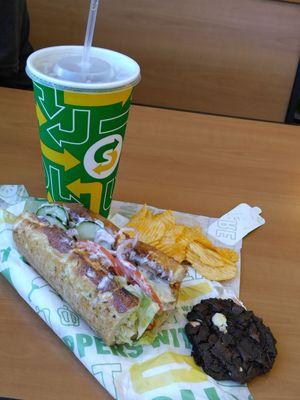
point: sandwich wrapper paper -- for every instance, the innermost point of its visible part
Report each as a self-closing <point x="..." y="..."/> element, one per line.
<point x="161" y="370"/>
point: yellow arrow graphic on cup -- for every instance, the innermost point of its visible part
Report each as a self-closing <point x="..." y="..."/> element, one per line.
<point x="40" y="116"/>
<point x="49" y="197"/>
<point x="94" y="189"/>
<point x="104" y="167"/>
<point x="65" y="158"/>
<point x="97" y="99"/>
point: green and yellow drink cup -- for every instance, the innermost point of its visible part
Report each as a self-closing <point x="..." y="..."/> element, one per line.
<point x="82" y="116"/>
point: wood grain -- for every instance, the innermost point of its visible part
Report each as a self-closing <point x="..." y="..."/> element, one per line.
<point x="291" y="1"/>
<point x="183" y="161"/>
<point x="227" y="57"/>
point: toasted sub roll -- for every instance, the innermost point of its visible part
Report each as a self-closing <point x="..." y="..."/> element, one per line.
<point x="84" y="274"/>
<point x="163" y="264"/>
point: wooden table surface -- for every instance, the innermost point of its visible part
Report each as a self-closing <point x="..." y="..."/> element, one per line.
<point x="183" y="161"/>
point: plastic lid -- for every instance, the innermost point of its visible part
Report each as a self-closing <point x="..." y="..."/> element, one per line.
<point x="61" y="67"/>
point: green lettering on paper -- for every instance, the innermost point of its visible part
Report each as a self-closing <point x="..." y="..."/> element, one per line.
<point x="162" y="337"/>
<point x="22" y="258"/>
<point x="67" y="316"/>
<point x="5" y="254"/>
<point x="7" y="276"/>
<point x="106" y="374"/>
<point x="174" y="337"/>
<point x="162" y="398"/>
<point x="186" y="308"/>
<point x="211" y="394"/>
<point x="118" y="350"/>
<point x="136" y="350"/>
<point x="69" y="341"/>
<point x="187" y="395"/>
<point x="100" y="346"/>
<point x="186" y="340"/>
<point x="83" y="341"/>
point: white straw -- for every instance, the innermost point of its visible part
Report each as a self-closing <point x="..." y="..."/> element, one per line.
<point x="90" y="28"/>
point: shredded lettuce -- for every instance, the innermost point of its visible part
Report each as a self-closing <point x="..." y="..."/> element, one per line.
<point x="146" y="310"/>
<point x="160" y="286"/>
<point x="128" y="329"/>
<point x="163" y="290"/>
<point x="150" y="335"/>
<point x="146" y="314"/>
<point x="121" y="281"/>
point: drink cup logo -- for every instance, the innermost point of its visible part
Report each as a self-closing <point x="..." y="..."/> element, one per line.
<point x="102" y="157"/>
<point x="81" y="141"/>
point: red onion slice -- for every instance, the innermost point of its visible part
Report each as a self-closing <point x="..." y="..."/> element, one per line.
<point x="129" y="229"/>
<point x="72" y="232"/>
<point x="125" y="247"/>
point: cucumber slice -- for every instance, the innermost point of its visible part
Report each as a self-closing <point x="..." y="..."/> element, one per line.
<point x="54" y="221"/>
<point x="87" y="229"/>
<point x="55" y="211"/>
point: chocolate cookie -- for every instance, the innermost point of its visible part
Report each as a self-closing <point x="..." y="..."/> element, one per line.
<point x="229" y="342"/>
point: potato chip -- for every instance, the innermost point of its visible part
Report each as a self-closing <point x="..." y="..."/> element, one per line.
<point x="142" y="214"/>
<point x="139" y="225"/>
<point x="191" y="234"/>
<point x="185" y="236"/>
<point x="184" y="243"/>
<point x="179" y="230"/>
<point x="227" y="271"/>
<point x="167" y="242"/>
<point x="167" y="218"/>
<point x="198" y="236"/>
<point x="151" y="233"/>
<point x="172" y="250"/>
<point x="178" y="255"/>
<point x="141" y="220"/>
<point x="169" y="245"/>
<point x="229" y="255"/>
<point x="206" y="256"/>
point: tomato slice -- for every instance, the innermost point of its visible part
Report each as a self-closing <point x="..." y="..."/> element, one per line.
<point x="123" y="268"/>
<point x="148" y="289"/>
<point x="144" y="285"/>
<point x="151" y="325"/>
<point x="108" y="254"/>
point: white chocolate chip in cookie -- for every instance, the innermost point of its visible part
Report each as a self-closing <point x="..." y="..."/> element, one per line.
<point x="220" y="321"/>
<point x="195" y="323"/>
